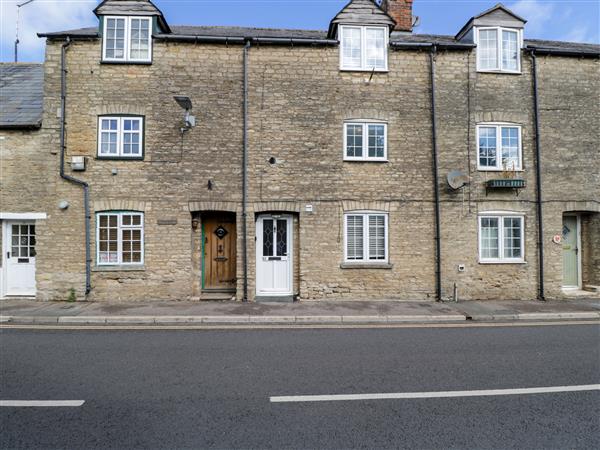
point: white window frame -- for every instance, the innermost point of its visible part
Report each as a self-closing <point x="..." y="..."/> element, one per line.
<point x="363" y="49"/>
<point x="499" y="165"/>
<point x="365" y="215"/>
<point x="120" y="140"/>
<point x="127" y="49"/>
<point x="365" y="144"/>
<point x="499" y="30"/>
<point x="120" y="228"/>
<point x="500" y="216"/>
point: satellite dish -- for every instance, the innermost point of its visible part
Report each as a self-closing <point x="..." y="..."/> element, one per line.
<point x="457" y="179"/>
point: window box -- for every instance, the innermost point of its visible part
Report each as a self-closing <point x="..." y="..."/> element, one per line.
<point x="365" y="141"/>
<point x="505" y="183"/>
<point x="364" y="48"/>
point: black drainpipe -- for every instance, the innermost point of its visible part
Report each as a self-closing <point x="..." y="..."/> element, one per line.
<point x="538" y="178"/>
<point x="245" y="175"/>
<point x="436" y="188"/>
<point x="83" y="184"/>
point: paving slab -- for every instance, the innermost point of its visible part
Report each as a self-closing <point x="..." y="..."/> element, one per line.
<point x="21" y="311"/>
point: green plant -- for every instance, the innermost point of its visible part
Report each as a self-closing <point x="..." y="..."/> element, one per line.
<point x="72" y="297"/>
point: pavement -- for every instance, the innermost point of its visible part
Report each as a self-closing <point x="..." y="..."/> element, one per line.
<point x="31" y="312"/>
<point x="214" y="388"/>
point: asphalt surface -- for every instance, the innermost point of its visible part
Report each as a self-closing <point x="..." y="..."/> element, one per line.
<point x="211" y="388"/>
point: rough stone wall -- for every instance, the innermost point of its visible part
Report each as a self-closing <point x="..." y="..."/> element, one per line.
<point x="590" y="248"/>
<point x="23" y="175"/>
<point x="298" y="101"/>
<point x="466" y="98"/>
<point x="175" y="170"/>
<point x="570" y="132"/>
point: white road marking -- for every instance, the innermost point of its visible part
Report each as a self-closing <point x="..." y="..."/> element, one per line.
<point x="41" y="403"/>
<point x="440" y="394"/>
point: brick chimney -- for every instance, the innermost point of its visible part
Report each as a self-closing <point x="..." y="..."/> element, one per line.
<point x="401" y="12"/>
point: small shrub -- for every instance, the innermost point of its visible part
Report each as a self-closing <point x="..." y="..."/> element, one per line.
<point x="72" y="297"/>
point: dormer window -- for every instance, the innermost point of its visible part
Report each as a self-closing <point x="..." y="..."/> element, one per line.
<point x="498" y="50"/>
<point x="363" y="48"/>
<point x="127" y="39"/>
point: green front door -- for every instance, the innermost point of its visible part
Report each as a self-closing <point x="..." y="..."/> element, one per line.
<point x="570" y="252"/>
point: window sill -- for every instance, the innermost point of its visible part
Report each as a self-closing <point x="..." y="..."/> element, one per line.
<point x="484" y="169"/>
<point x="119" y="268"/>
<point x="501" y="72"/>
<point x="354" y="69"/>
<point x="372" y="160"/>
<point x="139" y="63"/>
<point x="353" y="265"/>
<point x="119" y="158"/>
<point x="503" y="262"/>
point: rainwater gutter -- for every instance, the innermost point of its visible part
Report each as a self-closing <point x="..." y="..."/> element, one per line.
<point x="63" y="175"/>
<point x="243" y="40"/>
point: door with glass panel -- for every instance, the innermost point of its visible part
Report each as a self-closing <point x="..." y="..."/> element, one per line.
<point x="20" y="258"/>
<point x="274" y="255"/>
<point x="570" y="252"/>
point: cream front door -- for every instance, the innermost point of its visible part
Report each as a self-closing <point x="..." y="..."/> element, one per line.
<point x="274" y="255"/>
<point x="570" y="249"/>
<point x="20" y="258"/>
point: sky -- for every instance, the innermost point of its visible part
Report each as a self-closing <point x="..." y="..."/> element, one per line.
<point x="566" y="20"/>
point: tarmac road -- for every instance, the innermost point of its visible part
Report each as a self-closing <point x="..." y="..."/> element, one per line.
<point x="213" y="388"/>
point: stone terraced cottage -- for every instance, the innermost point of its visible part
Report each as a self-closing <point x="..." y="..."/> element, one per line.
<point x="149" y="161"/>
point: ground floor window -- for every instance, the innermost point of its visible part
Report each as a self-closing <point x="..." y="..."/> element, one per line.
<point x="366" y="236"/>
<point x="120" y="238"/>
<point x="501" y="238"/>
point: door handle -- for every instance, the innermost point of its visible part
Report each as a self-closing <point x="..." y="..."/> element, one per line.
<point x="7" y="255"/>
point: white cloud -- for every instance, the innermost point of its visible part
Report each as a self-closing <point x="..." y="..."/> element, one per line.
<point x="580" y="33"/>
<point x="40" y="16"/>
<point x="537" y="13"/>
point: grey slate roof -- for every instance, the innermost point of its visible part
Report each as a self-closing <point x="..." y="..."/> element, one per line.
<point x="126" y="7"/>
<point x="401" y="37"/>
<point x="21" y="95"/>
<point x="132" y="8"/>
<point x="360" y="12"/>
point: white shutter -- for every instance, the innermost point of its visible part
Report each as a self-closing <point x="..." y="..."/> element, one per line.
<point x="354" y="237"/>
<point x="377" y="237"/>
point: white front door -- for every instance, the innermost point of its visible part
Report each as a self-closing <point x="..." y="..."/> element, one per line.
<point x="19" y="258"/>
<point x="274" y="255"/>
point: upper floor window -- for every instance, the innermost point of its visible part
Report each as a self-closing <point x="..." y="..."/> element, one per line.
<point x="363" y="48"/>
<point x="499" y="147"/>
<point x="501" y="238"/>
<point x="498" y="50"/>
<point x="365" y="141"/>
<point x="120" y="238"/>
<point x="120" y="136"/>
<point x="366" y="235"/>
<point x="127" y="39"/>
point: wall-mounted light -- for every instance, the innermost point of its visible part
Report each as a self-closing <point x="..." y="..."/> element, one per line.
<point x="63" y="204"/>
<point x="186" y="103"/>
